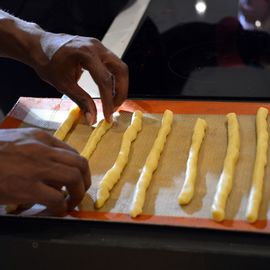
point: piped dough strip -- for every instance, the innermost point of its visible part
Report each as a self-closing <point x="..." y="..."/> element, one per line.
<point x="225" y="182"/>
<point x="256" y="190"/>
<point x="65" y="127"/>
<point x="187" y="191"/>
<point x="102" y="127"/>
<point x="151" y="164"/>
<point x="113" y="174"/>
<point x="60" y="134"/>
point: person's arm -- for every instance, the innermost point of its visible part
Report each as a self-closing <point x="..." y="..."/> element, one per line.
<point x="35" y="166"/>
<point x="59" y="59"/>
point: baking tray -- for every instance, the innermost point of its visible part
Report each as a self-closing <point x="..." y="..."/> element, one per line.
<point x="161" y="207"/>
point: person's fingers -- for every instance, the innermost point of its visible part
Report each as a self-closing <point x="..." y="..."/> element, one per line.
<point x="71" y="178"/>
<point x="50" y="140"/>
<point x="85" y="102"/>
<point x="121" y="87"/>
<point x="120" y="72"/>
<point x="52" y="151"/>
<point x="73" y="160"/>
<point x="104" y="79"/>
<point x="51" y="198"/>
<point x="60" y="144"/>
<point x="23" y="207"/>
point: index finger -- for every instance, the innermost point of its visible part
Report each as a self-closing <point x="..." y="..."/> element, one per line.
<point x="104" y="79"/>
<point x="120" y="71"/>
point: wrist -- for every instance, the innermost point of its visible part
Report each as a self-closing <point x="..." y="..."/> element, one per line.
<point x="48" y="44"/>
<point x="51" y="43"/>
<point x="32" y="46"/>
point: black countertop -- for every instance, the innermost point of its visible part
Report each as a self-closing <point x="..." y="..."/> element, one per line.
<point x="69" y="244"/>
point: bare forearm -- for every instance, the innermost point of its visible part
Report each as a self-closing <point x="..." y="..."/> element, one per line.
<point x="20" y="40"/>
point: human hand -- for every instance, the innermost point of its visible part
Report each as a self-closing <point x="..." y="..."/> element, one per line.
<point x="59" y="59"/>
<point x="35" y="166"/>
<point x="65" y="65"/>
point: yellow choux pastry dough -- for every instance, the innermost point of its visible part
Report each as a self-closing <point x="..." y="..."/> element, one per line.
<point x="65" y="127"/>
<point x="225" y="182"/>
<point x="113" y="174"/>
<point x="151" y="164"/>
<point x="188" y="188"/>
<point x="256" y="190"/>
<point x="102" y="127"/>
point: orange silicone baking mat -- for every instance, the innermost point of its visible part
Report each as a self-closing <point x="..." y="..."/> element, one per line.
<point x="161" y="205"/>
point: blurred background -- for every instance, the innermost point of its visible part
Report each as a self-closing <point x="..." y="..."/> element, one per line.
<point x="203" y="49"/>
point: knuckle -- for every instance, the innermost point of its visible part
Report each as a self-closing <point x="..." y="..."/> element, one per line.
<point x="59" y="208"/>
<point x="34" y="148"/>
<point x="107" y="79"/>
<point x="40" y="134"/>
<point x="83" y="163"/>
<point x="74" y="176"/>
<point x="34" y="131"/>
<point x="124" y="68"/>
<point x="42" y="171"/>
<point x="87" y="50"/>
<point x="89" y="47"/>
<point x="58" y="199"/>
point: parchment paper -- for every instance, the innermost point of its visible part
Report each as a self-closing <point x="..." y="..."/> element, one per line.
<point x="168" y="179"/>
